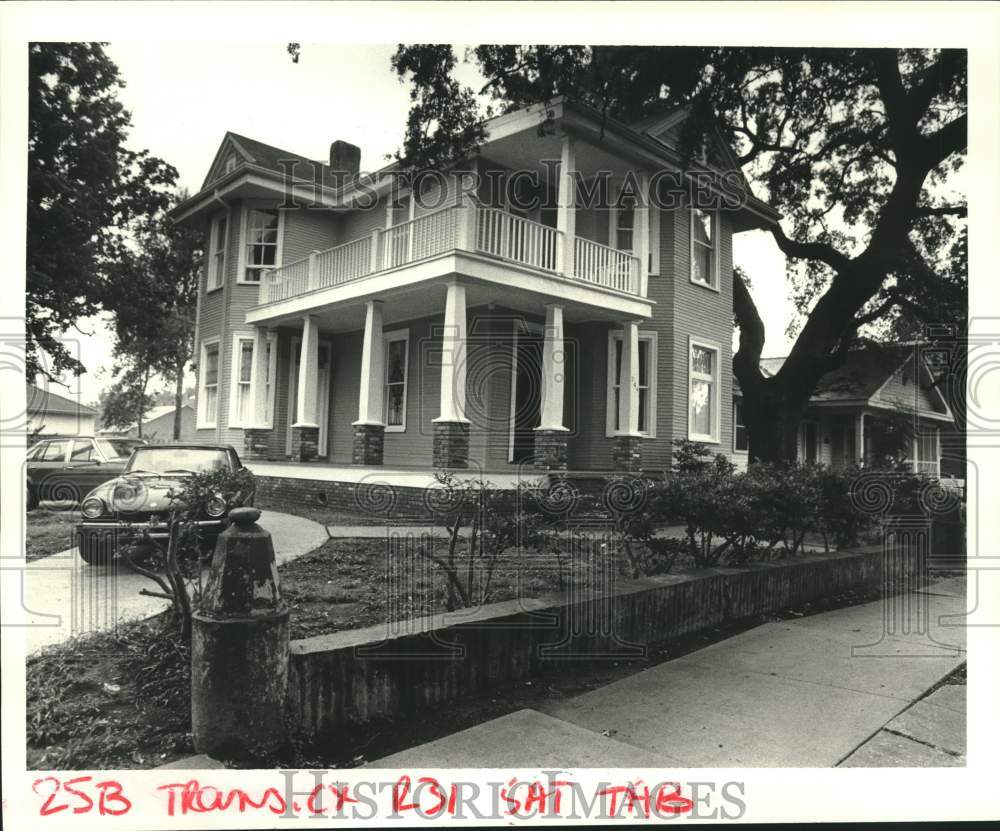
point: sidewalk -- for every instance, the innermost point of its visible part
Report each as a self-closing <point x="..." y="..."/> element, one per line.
<point x="64" y="597"/>
<point x="807" y="692"/>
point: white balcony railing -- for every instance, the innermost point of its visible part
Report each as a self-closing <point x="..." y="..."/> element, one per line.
<point x="425" y="236"/>
<point x="495" y="233"/>
<point x="514" y="238"/>
<point x="606" y="266"/>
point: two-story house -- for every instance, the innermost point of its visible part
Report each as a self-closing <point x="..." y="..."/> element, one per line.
<point x="453" y="322"/>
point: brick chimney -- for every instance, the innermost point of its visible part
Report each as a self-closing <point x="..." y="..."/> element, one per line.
<point x="345" y="161"/>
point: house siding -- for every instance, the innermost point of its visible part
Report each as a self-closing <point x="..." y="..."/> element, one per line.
<point x="903" y="390"/>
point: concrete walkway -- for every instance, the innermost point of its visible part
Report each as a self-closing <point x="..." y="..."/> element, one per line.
<point x="64" y="596"/>
<point x="807" y="692"/>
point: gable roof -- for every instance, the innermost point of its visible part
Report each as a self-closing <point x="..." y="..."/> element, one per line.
<point x="665" y="128"/>
<point x="863" y="374"/>
<point x="269" y="157"/>
<point x="45" y="401"/>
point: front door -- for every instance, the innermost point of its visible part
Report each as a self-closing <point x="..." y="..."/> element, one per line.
<point x="526" y="401"/>
<point x="322" y="394"/>
<point x="810" y="437"/>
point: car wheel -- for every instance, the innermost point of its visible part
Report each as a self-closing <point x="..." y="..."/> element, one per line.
<point x="32" y="501"/>
<point x="95" y="549"/>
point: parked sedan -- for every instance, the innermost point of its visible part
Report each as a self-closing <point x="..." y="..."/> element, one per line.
<point x="138" y="502"/>
<point x="64" y="468"/>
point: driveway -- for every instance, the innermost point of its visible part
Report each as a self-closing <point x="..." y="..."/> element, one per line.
<point x="66" y="597"/>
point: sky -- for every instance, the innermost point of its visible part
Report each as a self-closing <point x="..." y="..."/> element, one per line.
<point x="181" y="109"/>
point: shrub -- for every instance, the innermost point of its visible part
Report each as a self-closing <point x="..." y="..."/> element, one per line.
<point x="496" y="520"/>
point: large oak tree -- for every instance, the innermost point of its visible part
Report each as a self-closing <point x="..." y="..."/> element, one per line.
<point x="855" y="147"/>
<point x="85" y="190"/>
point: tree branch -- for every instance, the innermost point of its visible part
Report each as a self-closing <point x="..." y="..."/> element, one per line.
<point x="943" y="210"/>
<point x="808" y="250"/>
<point x="951" y="138"/>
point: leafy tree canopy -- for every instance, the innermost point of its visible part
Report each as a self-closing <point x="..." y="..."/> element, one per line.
<point x="85" y="188"/>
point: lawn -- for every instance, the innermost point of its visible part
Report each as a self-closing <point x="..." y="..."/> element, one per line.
<point x="349" y="584"/>
<point x="109" y="700"/>
<point x="49" y="531"/>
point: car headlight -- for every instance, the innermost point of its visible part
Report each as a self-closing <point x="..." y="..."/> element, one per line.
<point x="216" y="506"/>
<point x="92" y="507"/>
<point x="123" y="493"/>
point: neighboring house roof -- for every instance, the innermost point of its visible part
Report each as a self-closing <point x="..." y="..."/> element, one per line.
<point x="46" y="401"/>
<point x="152" y="414"/>
<point x="861" y="377"/>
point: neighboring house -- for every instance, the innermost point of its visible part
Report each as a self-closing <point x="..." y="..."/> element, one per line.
<point x="158" y="425"/>
<point x="52" y="414"/>
<point x="881" y="403"/>
<point x="451" y="328"/>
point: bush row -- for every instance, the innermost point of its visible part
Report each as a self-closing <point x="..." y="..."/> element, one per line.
<point x="768" y="510"/>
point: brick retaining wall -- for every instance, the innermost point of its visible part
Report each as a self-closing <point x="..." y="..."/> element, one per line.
<point x="280" y="493"/>
<point x="353" y="676"/>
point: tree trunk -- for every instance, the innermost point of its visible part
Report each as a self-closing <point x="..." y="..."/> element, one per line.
<point x="772" y="416"/>
<point x="142" y="401"/>
<point x="178" y="401"/>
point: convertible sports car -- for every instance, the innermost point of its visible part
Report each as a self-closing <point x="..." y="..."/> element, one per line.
<point x="138" y="502"/>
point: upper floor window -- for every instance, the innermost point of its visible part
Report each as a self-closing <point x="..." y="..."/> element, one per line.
<point x="741" y="439"/>
<point x="704" y="248"/>
<point x="625" y="225"/>
<point x="646" y="383"/>
<point x="261" y="243"/>
<point x="230" y="164"/>
<point x="396" y="354"/>
<point x="703" y="392"/>
<point x="217" y="253"/>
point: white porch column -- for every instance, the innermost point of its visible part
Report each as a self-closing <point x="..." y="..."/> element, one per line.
<point x="453" y="355"/>
<point x="642" y="212"/>
<point x="566" y="209"/>
<point x="372" y="367"/>
<point x="553" y="370"/>
<point x="860" y="433"/>
<point x="308" y="381"/>
<point x="258" y="379"/>
<point x="628" y="400"/>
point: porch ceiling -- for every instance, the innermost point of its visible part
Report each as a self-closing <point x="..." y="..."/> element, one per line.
<point x="427" y="299"/>
<point x="418" y="290"/>
<point x="527" y="151"/>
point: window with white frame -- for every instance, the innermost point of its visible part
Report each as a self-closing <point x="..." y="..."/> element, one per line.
<point x="396" y="359"/>
<point x="241" y="412"/>
<point x="646" y="383"/>
<point x="926" y="452"/>
<point x="625" y="225"/>
<point x="704" y="248"/>
<point x="741" y="439"/>
<point x="261" y="251"/>
<point x="217" y="253"/>
<point x="209" y="376"/>
<point x="703" y="392"/>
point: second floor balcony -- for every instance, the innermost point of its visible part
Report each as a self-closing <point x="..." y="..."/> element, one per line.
<point x="484" y="233"/>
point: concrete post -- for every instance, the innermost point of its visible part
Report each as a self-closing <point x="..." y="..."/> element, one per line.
<point x="239" y="646"/>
